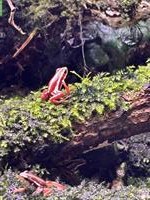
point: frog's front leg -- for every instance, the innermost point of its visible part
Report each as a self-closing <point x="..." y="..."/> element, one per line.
<point x="38" y="191"/>
<point x="20" y="190"/>
<point x="45" y="95"/>
<point x="25" y="185"/>
<point x="66" y="87"/>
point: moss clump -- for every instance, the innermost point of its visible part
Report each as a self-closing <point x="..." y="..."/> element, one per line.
<point x="26" y="121"/>
<point x="41" y="12"/>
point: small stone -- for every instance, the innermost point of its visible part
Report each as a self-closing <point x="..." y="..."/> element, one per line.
<point x="112" y="13"/>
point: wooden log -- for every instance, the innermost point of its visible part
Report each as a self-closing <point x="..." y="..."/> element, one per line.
<point x="113" y="126"/>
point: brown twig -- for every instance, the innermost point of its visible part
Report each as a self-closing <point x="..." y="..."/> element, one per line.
<point x="27" y="41"/>
<point x="11" y="17"/>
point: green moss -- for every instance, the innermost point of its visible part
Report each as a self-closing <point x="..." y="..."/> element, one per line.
<point x="29" y="120"/>
<point x="41" y="12"/>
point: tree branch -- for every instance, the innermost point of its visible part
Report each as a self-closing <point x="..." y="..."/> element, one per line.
<point x="27" y="41"/>
<point x="11" y="17"/>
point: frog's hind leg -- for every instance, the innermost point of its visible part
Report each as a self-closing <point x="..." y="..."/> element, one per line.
<point x="57" y="98"/>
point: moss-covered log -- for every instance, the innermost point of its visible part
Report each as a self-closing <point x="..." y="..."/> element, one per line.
<point x="98" y="110"/>
<point x="111" y="127"/>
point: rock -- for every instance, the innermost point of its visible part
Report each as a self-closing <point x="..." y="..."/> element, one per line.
<point x="95" y="55"/>
<point x="112" y="13"/>
<point x="108" y="48"/>
<point x="139" y="155"/>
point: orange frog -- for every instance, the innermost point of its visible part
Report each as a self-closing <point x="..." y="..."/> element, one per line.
<point x="45" y="187"/>
<point x="54" y="93"/>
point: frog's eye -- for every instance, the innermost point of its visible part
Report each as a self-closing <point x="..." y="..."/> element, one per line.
<point x="66" y="69"/>
<point x="57" y="69"/>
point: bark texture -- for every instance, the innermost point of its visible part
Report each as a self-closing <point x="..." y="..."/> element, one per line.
<point x="113" y="126"/>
